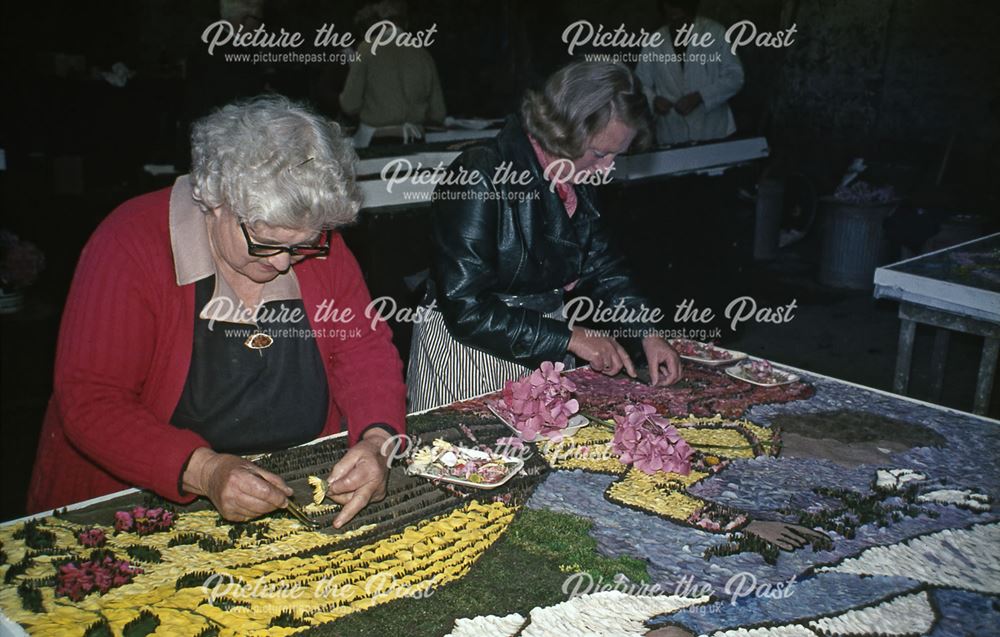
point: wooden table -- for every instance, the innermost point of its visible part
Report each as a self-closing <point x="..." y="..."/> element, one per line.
<point x="955" y="289"/>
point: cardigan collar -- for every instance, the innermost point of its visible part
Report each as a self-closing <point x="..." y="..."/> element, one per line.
<point x="192" y="254"/>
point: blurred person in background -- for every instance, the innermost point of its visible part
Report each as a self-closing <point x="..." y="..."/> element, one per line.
<point x="394" y="91"/>
<point x="687" y="88"/>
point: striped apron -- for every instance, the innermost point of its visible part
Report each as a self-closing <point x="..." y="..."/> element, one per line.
<point x="443" y="371"/>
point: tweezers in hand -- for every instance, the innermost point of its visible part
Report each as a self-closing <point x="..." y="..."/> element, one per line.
<point x="300" y="515"/>
<point x="294" y="509"/>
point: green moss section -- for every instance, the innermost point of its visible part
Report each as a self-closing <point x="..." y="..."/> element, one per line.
<point x="524" y="569"/>
<point x="565" y="539"/>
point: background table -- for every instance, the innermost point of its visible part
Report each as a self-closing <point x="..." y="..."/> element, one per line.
<point x="958" y="289"/>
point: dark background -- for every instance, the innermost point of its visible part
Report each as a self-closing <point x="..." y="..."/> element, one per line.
<point x="894" y="81"/>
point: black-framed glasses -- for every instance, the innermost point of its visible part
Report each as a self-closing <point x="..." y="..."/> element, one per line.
<point x="261" y="250"/>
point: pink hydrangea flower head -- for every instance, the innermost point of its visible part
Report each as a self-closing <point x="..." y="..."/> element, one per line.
<point x="539" y="404"/>
<point x="649" y="442"/>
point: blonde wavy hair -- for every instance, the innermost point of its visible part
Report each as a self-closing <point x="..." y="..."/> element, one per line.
<point x="578" y="101"/>
<point x="274" y="161"/>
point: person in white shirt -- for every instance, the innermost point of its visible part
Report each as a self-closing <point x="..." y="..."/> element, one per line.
<point x="688" y="87"/>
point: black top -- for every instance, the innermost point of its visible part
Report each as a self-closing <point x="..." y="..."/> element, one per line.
<point x="250" y="401"/>
<point x="502" y="240"/>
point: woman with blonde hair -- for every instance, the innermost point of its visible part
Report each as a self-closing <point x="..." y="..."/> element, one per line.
<point x="520" y="231"/>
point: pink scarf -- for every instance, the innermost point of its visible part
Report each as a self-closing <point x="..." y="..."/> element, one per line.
<point x="565" y="191"/>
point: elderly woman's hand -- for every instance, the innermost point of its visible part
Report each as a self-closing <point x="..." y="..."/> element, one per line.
<point x="360" y="476"/>
<point x="664" y="363"/>
<point x="239" y="489"/>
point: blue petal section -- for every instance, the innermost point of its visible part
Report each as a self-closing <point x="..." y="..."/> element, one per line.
<point x="763" y="486"/>
<point x="825" y="594"/>
<point x="963" y="614"/>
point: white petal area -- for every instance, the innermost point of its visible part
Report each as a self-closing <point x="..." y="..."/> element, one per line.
<point x="896" y="478"/>
<point x="608" y="613"/>
<point x="488" y="626"/>
<point x="962" y="558"/>
<point x="958" y="497"/>
<point x="792" y="630"/>
<point x="906" y="615"/>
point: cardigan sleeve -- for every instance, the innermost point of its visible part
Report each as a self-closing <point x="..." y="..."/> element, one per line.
<point x="364" y="371"/>
<point x="106" y="343"/>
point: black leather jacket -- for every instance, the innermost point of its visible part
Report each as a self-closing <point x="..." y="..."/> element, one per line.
<point x="497" y="242"/>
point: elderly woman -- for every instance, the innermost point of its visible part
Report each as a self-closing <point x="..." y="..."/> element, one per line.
<point x="220" y="317"/>
<point x="509" y="243"/>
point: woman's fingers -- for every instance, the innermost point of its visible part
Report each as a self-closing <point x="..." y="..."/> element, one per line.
<point x="664" y="364"/>
<point x="277" y="481"/>
<point x="355" y="504"/>
<point x="241" y="490"/>
<point x="342" y="498"/>
<point x="601" y="361"/>
<point x="343" y="467"/>
<point x="610" y="358"/>
<point x="236" y="514"/>
<point x="348" y="483"/>
<point x="625" y="359"/>
<point x="674" y="368"/>
<point x="236" y="510"/>
<point x="255" y="488"/>
<point x="603" y="353"/>
<point x="614" y="362"/>
<point x="362" y="473"/>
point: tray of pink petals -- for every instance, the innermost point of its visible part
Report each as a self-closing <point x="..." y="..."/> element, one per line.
<point x="540" y="406"/>
<point x="705" y="353"/>
<point x="573" y="425"/>
<point x="761" y="373"/>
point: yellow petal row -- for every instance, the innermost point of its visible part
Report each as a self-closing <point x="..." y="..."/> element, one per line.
<point x="315" y="589"/>
<point x="660" y="495"/>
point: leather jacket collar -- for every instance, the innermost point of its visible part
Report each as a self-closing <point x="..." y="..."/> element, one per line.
<point x="514" y="146"/>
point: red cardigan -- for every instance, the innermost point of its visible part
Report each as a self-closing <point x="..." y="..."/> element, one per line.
<point x="124" y="350"/>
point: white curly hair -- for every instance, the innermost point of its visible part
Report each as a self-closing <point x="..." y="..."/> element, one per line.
<point x="273" y="161"/>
